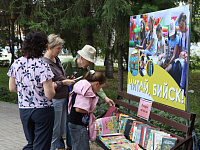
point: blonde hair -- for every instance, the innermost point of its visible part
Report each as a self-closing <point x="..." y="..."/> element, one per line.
<point x="54" y="40"/>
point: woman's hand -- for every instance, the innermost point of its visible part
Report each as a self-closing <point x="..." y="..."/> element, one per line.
<point x="68" y="82"/>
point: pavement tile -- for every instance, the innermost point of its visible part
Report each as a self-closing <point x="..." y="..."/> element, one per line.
<point x="11" y="131"/>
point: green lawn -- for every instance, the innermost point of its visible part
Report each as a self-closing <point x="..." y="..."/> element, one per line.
<point x="3" y="77"/>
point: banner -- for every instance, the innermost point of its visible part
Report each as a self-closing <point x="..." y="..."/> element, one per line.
<point x="158" y="56"/>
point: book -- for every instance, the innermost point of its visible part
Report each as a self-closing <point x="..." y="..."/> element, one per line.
<point x="143" y="135"/>
<point x="168" y="142"/>
<point x="122" y="122"/>
<point x="157" y="139"/>
<point x="139" y="131"/>
<point x="150" y="142"/>
<point x="136" y="146"/>
<point x="98" y="127"/>
<point x="110" y="111"/>
<point x="148" y="135"/>
<point x="126" y="146"/>
<point x="122" y="116"/>
<point x="134" y="130"/>
<point x="116" y="114"/>
<point x="112" y="140"/>
<point x="128" y="127"/>
<point x="106" y="125"/>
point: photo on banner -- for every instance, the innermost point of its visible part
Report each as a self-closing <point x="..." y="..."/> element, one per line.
<point x="159" y="44"/>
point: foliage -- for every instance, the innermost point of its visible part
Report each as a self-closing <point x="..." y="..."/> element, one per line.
<point x="195" y="29"/>
<point x="6" y="96"/>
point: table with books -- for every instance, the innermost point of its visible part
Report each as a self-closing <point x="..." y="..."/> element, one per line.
<point x="120" y="131"/>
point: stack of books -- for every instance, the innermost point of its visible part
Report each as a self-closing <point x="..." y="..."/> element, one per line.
<point x="122" y="131"/>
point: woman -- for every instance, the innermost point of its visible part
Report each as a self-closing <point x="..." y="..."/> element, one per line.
<point x="143" y="35"/>
<point x="61" y="96"/>
<point x="31" y="78"/>
<point x="151" y="47"/>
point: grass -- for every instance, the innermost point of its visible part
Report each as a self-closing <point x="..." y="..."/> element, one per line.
<point x="194" y="84"/>
<point x="3" y="77"/>
<point x="5" y="95"/>
<point x="111" y="91"/>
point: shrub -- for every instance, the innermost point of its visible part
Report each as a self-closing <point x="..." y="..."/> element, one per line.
<point x="6" y="96"/>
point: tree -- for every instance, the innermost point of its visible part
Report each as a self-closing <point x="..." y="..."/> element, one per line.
<point x="195" y="29"/>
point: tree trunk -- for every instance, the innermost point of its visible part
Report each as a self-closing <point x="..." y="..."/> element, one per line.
<point x="109" y="64"/>
<point x="120" y="68"/>
<point x="12" y="38"/>
<point x="109" y="55"/>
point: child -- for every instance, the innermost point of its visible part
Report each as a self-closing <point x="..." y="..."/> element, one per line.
<point x="160" y="44"/>
<point x="82" y="104"/>
<point x="143" y="35"/>
<point x="141" y="66"/>
<point x="172" y="46"/>
<point x="151" y="38"/>
<point x="183" y="46"/>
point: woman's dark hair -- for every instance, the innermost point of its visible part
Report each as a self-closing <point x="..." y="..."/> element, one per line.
<point x="96" y="76"/>
<point x="159" y="28"/>
<point x="34" y="44"/>
<point x="143" y="30"/>
<point x="182" y="17"/>
<point x="142" y="58"/>
<point x="175" y="33"/>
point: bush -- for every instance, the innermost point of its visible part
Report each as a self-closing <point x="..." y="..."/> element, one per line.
<point x="6" y="96"/>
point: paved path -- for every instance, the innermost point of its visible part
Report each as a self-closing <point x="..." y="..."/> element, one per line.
<point x="11" y="132"/>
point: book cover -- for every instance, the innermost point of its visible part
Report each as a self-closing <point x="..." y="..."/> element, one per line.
<point x="143" y="135"/>
<point x="106" y="125"/>
<point x="122" y="122"/>
<point x="109" y="125"/>
<point x="157" y="135"/>
<point x="134" y="129"/>
<point x="115" y="123"/>
<point x="122" y="116"/>
<point x="111" y="140"/>
<point x="98" y="127"/>
<point x="126" y="146"/>
<point x="168" y="142"/>
<point x="147" y="135"/>
<point x="136" y="146"/>
<point x="138" y="132"/>
<point x="150" y="142"/>
<point x="128" y="127"/>
<point x="110" y="111"/>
